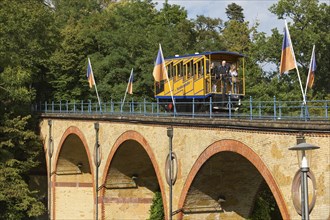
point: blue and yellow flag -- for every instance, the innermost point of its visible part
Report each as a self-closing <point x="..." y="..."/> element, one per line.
<point x="90" y="75"/>
<point x="130" y="83"/>
<point x="288" y="61"/>
<point x="160" y="72"/>
<point x="312" y="69"/>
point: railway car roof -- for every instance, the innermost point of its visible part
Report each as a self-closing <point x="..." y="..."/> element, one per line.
<point x="214" y="54"/>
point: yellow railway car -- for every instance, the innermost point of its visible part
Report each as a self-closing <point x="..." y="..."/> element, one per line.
<point x="196" y="77"/>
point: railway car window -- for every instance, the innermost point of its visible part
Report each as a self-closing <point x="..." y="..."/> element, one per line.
<point x="191" y="69"/>
<point x="207" y="66"/>
<point x="195" y="70"/>
<point x="180" y="69"/>
<point x="200" y="68"/>
<point x="169" y="68"/>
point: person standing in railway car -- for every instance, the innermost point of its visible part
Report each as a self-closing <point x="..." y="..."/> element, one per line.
<point x="223" y="72"/>
<point x="214" y="74"/>
<point x="233" y="77"/>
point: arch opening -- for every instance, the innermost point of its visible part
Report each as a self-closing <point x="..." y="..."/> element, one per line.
<point x="73" y="181"/>
<point x="130" y="184"/>
<point x="226" y="181"/>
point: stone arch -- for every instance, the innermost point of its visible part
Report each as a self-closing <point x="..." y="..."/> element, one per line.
<point x="75" y="132"/>
<point x="243" y="150"/>
<point x="135" y="136"/>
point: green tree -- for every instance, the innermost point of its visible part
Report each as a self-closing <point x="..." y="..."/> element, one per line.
<point x="309" y="24"/>
<point x="128" y="37"/>
<point x="156" y="209"/>
<point x="265" y="207"/>
<point x="236" y="36"/>
<point x="235" y="12"/>
<point x="207" y="31"/>
<point x="27" y="40"/>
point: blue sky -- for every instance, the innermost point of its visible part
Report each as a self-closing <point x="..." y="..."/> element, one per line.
<point x="253" y="11"/>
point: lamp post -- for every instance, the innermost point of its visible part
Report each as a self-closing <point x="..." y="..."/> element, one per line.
<point x="170" y="136"/>
<point x="50" y="154"/>
<point x="97" y="161"/>
<point x="304" y="169"/>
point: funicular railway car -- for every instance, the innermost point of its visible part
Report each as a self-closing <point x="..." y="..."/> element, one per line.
<point x="195" y="78"/>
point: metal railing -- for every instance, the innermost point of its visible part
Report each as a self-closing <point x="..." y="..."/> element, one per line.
<point x="251" y="110"/>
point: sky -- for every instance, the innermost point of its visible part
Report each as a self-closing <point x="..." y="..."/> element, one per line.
<point x="252" y="10"/>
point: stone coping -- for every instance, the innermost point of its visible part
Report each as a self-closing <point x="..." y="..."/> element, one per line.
<point x="217" y="122"/>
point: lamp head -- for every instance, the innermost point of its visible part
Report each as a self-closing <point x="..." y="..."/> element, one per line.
<point x="303" y="147"/>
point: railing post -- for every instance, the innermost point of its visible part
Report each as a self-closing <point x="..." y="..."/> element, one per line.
<point x="210" y="107"/>
<point x="193" y="108"/>
<point x="45" y="106"/>
<point x="152" y="108"/>
<point x="52" y="106"/>
<point x="279" y="110"/>
<point x="132" y="106"/>
<point x="157" y="107"/>
<point x="274" y="108"/>
<point x="60" y="106"/>
<point x="74" y="106"/>
<point x="301" y="111"/>
<point x="67" y="106"/>
<point x="306" y="115"/>
<point x="144" y="106"/>
<point x="259" y="106"/>
<point x="326" y="110"/>
<point x="82" y="106"/>
<point x="251" y="108"/>
<point x="121" y="106"/>
<point x="229" y="106"/>
<point x="111" y="106"/>
<point x="174" y="108"/>
<point x="89" y="106"/>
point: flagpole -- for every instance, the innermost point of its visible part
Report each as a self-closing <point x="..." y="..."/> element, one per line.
<point x="97" y="94"/>
<point x="309" y="70"/>
<point x="295" y="62"/>
<point x="121" y="107"/>
<point x="168" y="81"/>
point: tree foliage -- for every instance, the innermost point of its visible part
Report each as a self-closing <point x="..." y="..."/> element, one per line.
<point x="265" y="207"/>
<point x="207" y="34"/>
<point x="235" y="12"/>
<point x="44" y="50"/>
<point x="309" y="24"/>
<point x="157" y="209"/>
<point x="25" y="44"/>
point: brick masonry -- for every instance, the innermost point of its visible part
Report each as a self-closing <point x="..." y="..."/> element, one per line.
<point x="259" y="154"/>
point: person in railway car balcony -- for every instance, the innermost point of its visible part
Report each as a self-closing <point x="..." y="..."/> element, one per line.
<point x="223" y="73"/>
<point x="233" y="77"/>
<point x="213" y="71"/>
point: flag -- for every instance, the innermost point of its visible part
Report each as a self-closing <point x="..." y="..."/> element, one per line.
<point x="90" y="75"/>
<point x="288" y="61"/>
<point x="130" y="83"/>
<point x="160" y="72"/>
<point x="312" y="68"/>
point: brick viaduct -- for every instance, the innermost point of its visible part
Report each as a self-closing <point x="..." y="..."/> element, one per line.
<point x="216" y="159"/>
